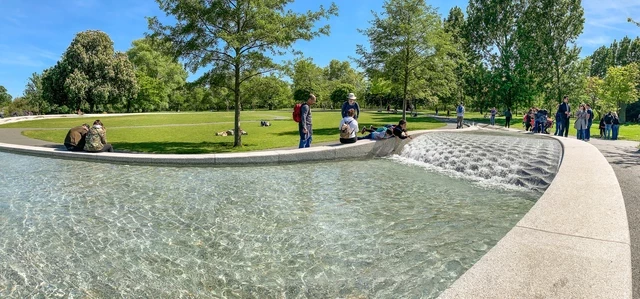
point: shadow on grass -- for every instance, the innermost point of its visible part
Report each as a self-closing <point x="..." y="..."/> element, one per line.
<point x="383" y="119"/>
<point x="179" y="147"/>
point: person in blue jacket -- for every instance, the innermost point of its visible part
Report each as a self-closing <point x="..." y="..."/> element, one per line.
<point x="350" y="104"/>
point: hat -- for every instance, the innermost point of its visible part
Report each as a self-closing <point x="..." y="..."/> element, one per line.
<point x="351" y="96"/>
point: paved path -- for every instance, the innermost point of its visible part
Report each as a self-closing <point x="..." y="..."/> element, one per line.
<point x="624" y="158"/>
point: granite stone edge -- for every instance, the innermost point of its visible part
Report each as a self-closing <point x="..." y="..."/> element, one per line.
<point x="530" y="277"/>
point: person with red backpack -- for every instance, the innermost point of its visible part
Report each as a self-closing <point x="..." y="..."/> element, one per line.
<point x="302" y="115"/>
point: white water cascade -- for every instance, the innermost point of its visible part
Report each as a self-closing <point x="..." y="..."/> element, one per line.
<point x="491" y="159"/>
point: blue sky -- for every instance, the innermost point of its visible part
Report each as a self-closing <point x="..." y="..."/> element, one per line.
<point x="35" y="33"/>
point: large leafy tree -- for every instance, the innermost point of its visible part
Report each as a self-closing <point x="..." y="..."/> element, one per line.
<point x="159" y="75"/>
<point x="268" y="92"/>
<point x="235" y="39"/>
<point x="408" y="46"/>
<point x="90" y="73"/>
<point x="547" y="33"/>
<point x="33" y="94"/>
<point x="492" y="33"/>
<point x="620" y="88"/>
<point x="308" y="78"/>
<point x="5" y="97"/>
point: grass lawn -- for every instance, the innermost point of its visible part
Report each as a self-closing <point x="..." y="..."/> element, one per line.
<point x="194" y="133"/>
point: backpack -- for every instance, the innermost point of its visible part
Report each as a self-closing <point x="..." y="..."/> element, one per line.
<point x="459" y="109"/>
<point x="297" y="115"/>
<point x="345" y="131"/>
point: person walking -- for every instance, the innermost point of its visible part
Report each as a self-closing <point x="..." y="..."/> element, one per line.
<point x="608" y="123"/>
<point x="581" y="122"/>
<point x="589" y="123"/>
<point x="305" y="125"/>
<point x="76" y="138"/>
<point x="615" y="126"/>
<point x="459" y="116"/>
<point x="565" y="111"/>
<point x="493" y="116"/>
<point x="507" y="118"/>
<point x="351" y="104"/>
<point x="97" y="139"/>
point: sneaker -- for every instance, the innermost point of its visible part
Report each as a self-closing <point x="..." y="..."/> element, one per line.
<point x="363" y="130"/>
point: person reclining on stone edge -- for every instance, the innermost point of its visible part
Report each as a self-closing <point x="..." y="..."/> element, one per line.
<point x="400" y="130"/>
<point x="378" y="135"/>
<point x="76" y="138"/>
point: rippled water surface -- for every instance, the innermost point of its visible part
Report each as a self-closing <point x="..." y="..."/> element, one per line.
<point x="357" y="229"/>
<point x="491" y="159"/>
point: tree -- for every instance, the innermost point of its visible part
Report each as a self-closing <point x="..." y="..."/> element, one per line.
<point x="268" y="92"/>
<point x="33" y="94"/>
<point x="593" y="92"/>
<point x="90" y="73"/>
<point x="409" y="47"/>
<point x="5" y="97"/>
<point x="307" y="78"/>
<point x="620" y="88"/>
<point x="340" y="93"/>
<point x="547" y="33"/>
<point x="159" y="75"/>
<point x="233" y="37"/>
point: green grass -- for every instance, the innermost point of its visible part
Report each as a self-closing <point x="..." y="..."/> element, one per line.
<point x="194" y="133"/>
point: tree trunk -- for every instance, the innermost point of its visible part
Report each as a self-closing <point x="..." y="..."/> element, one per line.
<point x="237" y="134"/>
<point x="623" y="113"/>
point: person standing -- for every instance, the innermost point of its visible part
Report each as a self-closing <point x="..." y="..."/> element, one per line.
<point x="589" y="123"/>
<point x="608" y="123"/>
<point x="507" y="118"/>
<point x="350" y="104"/>
<point x="565" y="111"/>
<point x="559" y="122"/>
<point x="76" y="138"/>
<point x="97" y="139"/>
<point x="493" y="116"/>
<point x="460" y="116"/>
<point x="581" y="122"/>
<point x="615" y="126"/>
<point x="304" y="126"/>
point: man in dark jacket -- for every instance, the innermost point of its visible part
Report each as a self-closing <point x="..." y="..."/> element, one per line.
<point x="75" y="139"/>
<point x="400" y="130"/>
<point x="565" y="111"/>
<point x="305" y="125"/>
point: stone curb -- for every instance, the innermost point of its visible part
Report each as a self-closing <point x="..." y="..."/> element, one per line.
<point x="359" y="150"/>
<point x="573" y="243"/>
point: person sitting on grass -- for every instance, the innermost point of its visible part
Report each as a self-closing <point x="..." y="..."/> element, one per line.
<point x="378" y="135"/>
<point x="348" y="128"/>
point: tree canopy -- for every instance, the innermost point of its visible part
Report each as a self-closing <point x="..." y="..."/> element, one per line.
<point x="235" y="39"/>
<point x="409" y="47"/>
<point x="5" y="97"/>
<point x="90" y="74"/>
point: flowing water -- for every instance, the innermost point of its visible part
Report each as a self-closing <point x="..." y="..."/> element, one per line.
<point x="491" y="159"/>
<point x="347" y="229"/>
